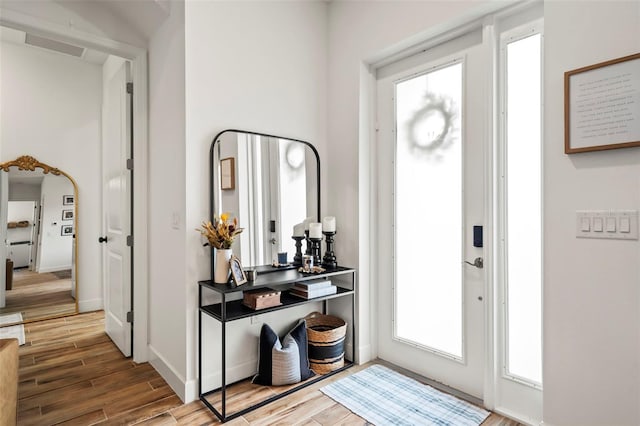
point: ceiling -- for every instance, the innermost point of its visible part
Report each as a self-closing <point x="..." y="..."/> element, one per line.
<point x="14" y="36"/>
<point x="141" y="16"/>
<point x="25" y="177"/>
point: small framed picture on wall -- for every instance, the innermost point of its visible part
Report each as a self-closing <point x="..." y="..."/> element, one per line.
<point x="67" y="214"/>
<point x="227" y="174"/>
<point x="67" y="230"/>
<point x="67" y="200"/>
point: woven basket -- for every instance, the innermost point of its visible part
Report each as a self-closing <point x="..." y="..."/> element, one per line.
<point x="326" y="335"/>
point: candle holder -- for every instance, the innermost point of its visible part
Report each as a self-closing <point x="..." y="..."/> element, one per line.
<point x="308" y="248"/>
<point x="329" y="260"/>
<point x="297" y="259"/>
<point x="315" y="250"/>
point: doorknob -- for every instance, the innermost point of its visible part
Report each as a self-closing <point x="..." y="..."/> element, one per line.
<point x="273" y="241"/>
<point x="102" y="239"/>
<point x="477" y="262"/>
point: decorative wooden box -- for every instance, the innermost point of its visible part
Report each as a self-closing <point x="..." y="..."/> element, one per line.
<point x="261" y="298"/>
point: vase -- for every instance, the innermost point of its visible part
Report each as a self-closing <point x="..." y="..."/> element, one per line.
<point x="221" y="275"/>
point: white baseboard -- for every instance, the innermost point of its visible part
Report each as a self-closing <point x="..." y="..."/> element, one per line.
<point x="169" y="374"/>
<point x="234" y="373"/>
<point x="90" y="305"/>
<point x="521" y="418"/>
<point x="191" y="391"/>
<point x="364" y="354"/>
<point x="54" y="268"/>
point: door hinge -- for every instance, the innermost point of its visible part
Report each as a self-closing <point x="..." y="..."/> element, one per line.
<point x="129" y="163"/>
<point x="129" y="240"/>
<point x="130" y="317"/>
<point x="129" y="87"/>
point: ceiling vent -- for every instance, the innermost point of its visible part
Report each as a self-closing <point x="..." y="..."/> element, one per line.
<point x="57" y="46"/>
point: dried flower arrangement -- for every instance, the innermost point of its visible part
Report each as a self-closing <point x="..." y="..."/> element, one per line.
<point x="221" y="232"/>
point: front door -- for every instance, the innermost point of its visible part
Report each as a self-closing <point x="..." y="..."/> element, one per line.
<point x="430" y="196"/>
<point x="116" y="149"/>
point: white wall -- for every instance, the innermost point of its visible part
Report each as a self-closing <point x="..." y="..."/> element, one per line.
<point x="257" y="66"/>
<point x="19" y="191"/>
<point x="591" y="370"/>
<point x="18" y="211"/>
<point x="167" y="285"/>
<point x="51" y="107"/>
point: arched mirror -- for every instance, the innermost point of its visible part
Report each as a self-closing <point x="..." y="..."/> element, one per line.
<point x="270" y="184"/>
<point x="38" y="223"/>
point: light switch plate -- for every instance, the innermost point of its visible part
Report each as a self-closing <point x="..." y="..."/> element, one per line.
<point x="607" y="224"/>
<point x="625" y="224"/>
<point x="597" y="224"/>
<point x="585" y="224"/>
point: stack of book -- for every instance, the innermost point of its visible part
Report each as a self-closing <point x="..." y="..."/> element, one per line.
<point x="313" y="289"/>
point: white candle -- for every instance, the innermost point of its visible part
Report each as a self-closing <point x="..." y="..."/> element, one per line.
<point x="329" y="224"/>
<point x="315" y="230"/>
<point x="306" y="222"/>
<point x="298" y="230"/>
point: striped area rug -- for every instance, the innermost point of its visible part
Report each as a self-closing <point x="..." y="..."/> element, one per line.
<point x="384" y="397"/>
<point x="12" y="331"/>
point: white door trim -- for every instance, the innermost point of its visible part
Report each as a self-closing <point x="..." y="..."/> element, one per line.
<point x="138" y="58"/>
<point x="489" y="44"/>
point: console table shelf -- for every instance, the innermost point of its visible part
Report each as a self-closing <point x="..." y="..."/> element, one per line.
<point x="236" y="310"/>
<point x="226" y="311"/>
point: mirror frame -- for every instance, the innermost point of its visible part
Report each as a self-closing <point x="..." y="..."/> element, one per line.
<point x="29" y="163"/>
<point x="216" y="140"/>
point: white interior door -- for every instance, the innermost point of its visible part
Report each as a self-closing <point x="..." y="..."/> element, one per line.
<point x="116" y="149"/>
<point x="430" y="195"/>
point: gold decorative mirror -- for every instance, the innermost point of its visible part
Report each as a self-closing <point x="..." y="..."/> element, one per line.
<point x="38" y="244"/>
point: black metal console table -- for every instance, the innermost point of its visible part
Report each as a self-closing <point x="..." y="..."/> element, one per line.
<point x="227" y="311"/>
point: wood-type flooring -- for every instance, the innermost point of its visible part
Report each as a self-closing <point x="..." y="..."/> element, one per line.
<point x="39" y="296"/>
<point x="71" y="373"/>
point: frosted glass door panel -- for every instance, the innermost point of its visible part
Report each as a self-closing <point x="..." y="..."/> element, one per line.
<point x="524" y="209"/>
<point x="428" y="210"/>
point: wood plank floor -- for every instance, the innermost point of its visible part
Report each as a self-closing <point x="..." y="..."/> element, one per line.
<point x="39" y="296"/>
<point x="71" y="373"/>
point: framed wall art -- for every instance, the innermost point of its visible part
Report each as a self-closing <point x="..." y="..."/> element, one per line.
<point x="602" y="106"/>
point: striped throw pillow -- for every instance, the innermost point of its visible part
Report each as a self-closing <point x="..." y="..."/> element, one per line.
<point x="283" y="363"/>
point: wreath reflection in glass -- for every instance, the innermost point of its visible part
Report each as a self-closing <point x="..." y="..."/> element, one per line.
<point x="431" y="128"/>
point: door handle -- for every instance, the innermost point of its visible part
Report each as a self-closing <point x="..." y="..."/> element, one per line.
<point x="477" y="262"/>
<point x="273" y="241"/>
<point x="102" y="239"/>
